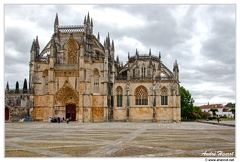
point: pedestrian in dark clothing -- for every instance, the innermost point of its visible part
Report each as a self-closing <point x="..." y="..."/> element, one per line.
<point x="218" y="119"/>
<point x="58" y="119"/>
<point x="67" y="120"/>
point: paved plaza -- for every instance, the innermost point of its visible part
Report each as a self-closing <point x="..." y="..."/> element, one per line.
<point x="188" y="139"/>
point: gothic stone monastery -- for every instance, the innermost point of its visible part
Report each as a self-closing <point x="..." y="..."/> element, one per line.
<point x="77" y="76"/>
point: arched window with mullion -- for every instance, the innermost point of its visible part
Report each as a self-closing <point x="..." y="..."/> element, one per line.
<point x="119" y="96"/>
<point x="141" y="96"/>
<point x="164" y="96"/>
<point x="143" y="71"/>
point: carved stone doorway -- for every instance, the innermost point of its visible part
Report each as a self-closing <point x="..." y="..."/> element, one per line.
<point x="71" y="112"/>
<point x="7" y="114"/>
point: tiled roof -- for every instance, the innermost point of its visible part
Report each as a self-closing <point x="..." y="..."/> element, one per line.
<point x="211" y="106"/>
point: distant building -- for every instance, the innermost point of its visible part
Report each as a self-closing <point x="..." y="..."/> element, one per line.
<point x="222" y="111"/>
<point x="76" y="76"/>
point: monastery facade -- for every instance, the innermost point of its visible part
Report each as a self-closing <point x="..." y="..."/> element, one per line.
<point x="76" y="76"/>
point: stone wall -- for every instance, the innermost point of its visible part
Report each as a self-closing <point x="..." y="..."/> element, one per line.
<point x="19" y="106"/>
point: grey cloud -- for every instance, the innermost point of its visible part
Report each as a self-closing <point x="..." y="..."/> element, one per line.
<point x="221" y="43"/>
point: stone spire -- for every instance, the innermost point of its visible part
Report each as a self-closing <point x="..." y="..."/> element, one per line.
<point x="150" y="58"/>
<point x="37" y="46"/>
<point x="108" y="40"/>
<point x="33" y="48"/>
<point x="105" y="45"/>
<point x="88" y="24"/>
<point x="85" y="21"/>
<point x="91" y="22"/>
<point x="37" y="43"/>
<point x="98" y="36"/>
<point x="112" y="47"/>
<point x="56" y="24"/>
<point x="33" y="51"/>
<point x="137" y="53"/>
<point x="176" y="71"/>
<point x="117" y="59"/>
<point x="175" y="65"/>
<point x="118" y="63"/>
<point x="150" y="62"/>
<point x="88" y="19"/>
<point x="159" y="65"/>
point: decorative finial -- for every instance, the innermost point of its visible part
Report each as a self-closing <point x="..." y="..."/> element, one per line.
<point x="88" y="18"/>
<point x="56" y="23"/>
<point x="98" y="36"/>
<point x="91" y="22"/>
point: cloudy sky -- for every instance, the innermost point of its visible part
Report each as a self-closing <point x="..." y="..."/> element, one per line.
<point x="202" y="38"/>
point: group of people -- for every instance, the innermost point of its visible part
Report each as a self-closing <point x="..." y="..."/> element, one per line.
<point x="58" y="120"/>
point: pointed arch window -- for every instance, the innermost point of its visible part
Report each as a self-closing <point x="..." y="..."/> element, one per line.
<point x="72" y="49"/>
<point x="96" y="81"/>
<point x="143" y="71"/>
<point x="119" y="96"/>
<point x="164" y="97"/>
<point x="141" y="96"/>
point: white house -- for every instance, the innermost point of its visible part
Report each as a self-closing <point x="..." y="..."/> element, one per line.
<point x="222" y="111"/>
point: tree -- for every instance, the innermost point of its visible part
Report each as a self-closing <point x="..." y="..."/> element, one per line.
<point x="25" y="86"/>
<point x="205" y="115"/>
<point x="232" y="105"/>
<point x="233" y="111"/>
<point x="17" y="88"/>
<point x="7" y="88"/>
<point x="186" y="103"/>
<point x="214" y="110"/>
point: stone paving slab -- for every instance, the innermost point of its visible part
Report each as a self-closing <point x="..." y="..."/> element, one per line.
<point x="188" y="139"/>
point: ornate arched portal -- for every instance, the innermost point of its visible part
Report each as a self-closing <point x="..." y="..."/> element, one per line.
<point x="68" y="97"/>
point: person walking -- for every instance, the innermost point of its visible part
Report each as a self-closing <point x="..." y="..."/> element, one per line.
<point x="218" y="119"/>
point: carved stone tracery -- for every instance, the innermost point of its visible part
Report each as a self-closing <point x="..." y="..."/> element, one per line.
<point x="72" y="49"/>
<point x="66" y="95"/>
